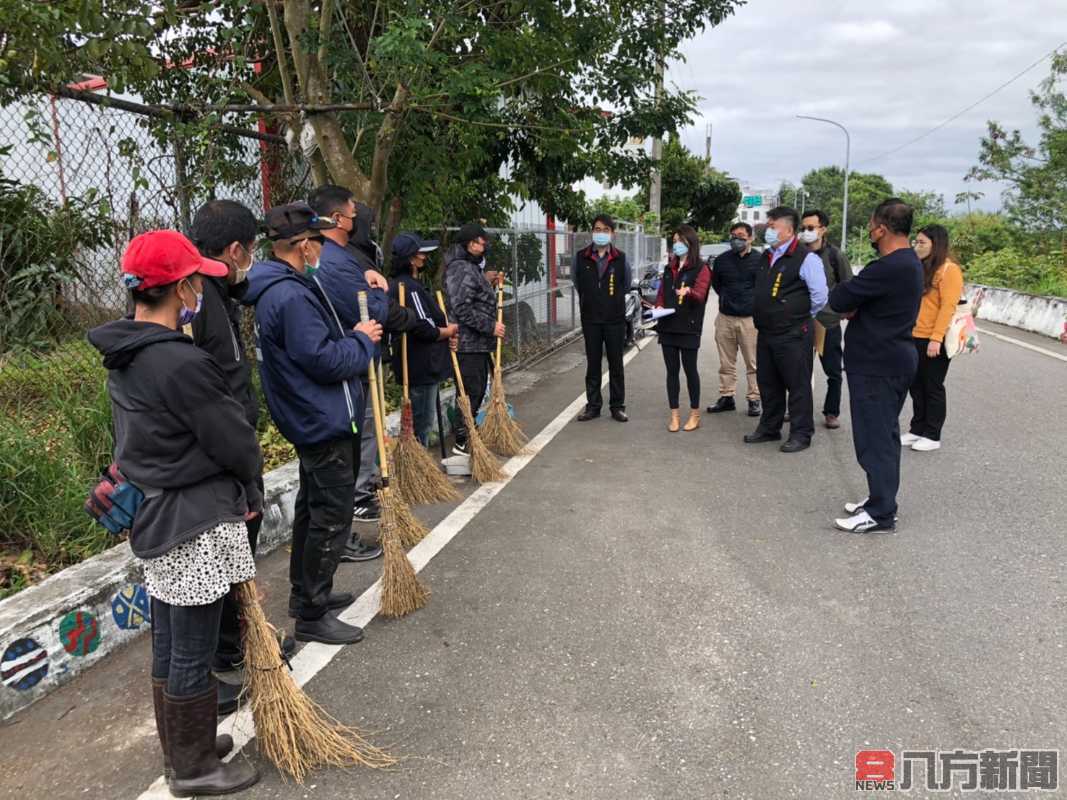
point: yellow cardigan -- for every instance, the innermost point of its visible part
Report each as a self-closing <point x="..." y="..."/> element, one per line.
<point x="939" y="303"/>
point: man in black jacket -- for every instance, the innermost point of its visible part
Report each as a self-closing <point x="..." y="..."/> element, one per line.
<point x="733" y="277"/>
<point x="838" y="270"/>
<point x="226" y="231"/>
<point x="881" y="304"/>
<point x="601" y="276"/>
<point x="790" y="290"/>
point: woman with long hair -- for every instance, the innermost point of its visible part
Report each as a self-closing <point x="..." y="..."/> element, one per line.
<point x="684" y="290"/>
<point x="942" y="291"/>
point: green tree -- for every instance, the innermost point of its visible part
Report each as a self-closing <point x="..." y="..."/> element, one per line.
<point x="824" y="189"/>
<point x="1036" y="174"/>
<point x="692" y="192"/>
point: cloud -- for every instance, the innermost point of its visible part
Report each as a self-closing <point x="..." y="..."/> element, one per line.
<point x="876" y="32"/>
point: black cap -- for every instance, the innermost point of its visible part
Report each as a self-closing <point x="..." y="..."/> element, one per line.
<point x="293" y="219"/>
<point x="470" y="232"/>
<point x="406" y="245"/>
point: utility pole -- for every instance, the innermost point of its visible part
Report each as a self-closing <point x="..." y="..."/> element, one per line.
<point x="848" y="158"/>
<point x="656" y="187"/>
<point x="707" y="144"/>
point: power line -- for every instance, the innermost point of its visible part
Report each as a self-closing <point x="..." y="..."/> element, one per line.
<point x="973" y="105"/>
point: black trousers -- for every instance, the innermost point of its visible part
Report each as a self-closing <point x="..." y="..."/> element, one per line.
<point x="875" y="402"/>
<point x="783" y="367"/>
<point x="831" y="358"/>
<point x="929" y="403"/>
<point x="475" y="368"/>
<point x="601" y="338"/>
<point x="230" y="653"/>
<point x="322" y="520"/>
<point x="674" y="358"/>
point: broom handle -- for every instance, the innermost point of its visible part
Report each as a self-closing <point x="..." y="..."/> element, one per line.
<point x="455" y="361"/>
<point x="381" y="388"/>
<point x="376" y="401"/>
<point x="404" y="348"/>
<point x="499" y="319"/>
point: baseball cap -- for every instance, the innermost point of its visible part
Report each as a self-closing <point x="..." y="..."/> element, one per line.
<point x="293" y="219"/>
<point x="157" y="258"/>
<point x="405" y="245"/>
<point x="470" y="232"/>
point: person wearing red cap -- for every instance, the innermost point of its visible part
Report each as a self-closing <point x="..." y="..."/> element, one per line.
<point x="185" y="442"/>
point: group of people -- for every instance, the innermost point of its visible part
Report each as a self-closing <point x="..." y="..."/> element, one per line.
<point x="779" y="309"/>
<point x="185" y="415"/>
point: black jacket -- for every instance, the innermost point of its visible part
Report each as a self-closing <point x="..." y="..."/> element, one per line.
<point x="602" y="298"/>
<point x="217" y="329"/>
<point x="838" y="270"/>
<point x="471" y="301"/>
<point x="685" y="326"/>
<point x="783" y="301"/>
<point x="733" y="277"/>
<point x="428" y="359"/>
<point x="179" y="434"/>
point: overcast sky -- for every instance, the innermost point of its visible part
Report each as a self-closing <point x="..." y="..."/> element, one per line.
<point x="888" y="71"/>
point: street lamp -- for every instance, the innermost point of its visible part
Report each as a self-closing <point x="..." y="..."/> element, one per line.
<point x="848" y="156"/>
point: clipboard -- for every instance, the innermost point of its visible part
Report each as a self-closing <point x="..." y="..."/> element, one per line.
<point x="820" y="337"/>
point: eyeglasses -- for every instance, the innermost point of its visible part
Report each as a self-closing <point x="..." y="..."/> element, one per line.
<point x="809" y="227"/>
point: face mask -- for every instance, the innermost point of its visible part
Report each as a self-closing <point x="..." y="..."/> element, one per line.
<point x="738" y="245"/>
<point x="601" y="238"/>
<point x="770" y="236"/>
<point x="922" y="250"/>
<point x="240" y="273"/>
<point x="808" y="237"/>
<point x="186" y="315"/>
<point x="874" y="246"/>
<point x="309" y="268"/>
<point x="681" y="249"/>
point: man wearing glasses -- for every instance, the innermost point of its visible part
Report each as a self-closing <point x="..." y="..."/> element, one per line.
<point x="601" y="276"/>
<point x="838" y="270"/>
<point x="309" y="366"/>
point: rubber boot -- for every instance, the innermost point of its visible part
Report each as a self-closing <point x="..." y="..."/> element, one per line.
<point x="694" y="420"/>
<point x="676" y="421"/>
<point x="223" y="743"/>
<point x="190" y="724"/>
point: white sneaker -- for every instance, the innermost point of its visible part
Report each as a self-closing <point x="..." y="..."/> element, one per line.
<point x="923" y="445"/>
<point x="855" y="508"/>
<point x="457" y="465"/>
<point x="908" y="439"/>
<point x="861" y="523"/>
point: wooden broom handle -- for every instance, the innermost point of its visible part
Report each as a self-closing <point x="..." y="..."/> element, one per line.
<point x="455" y="361"/>
<point x="403" y="346"/>
<point x="376" y="402"/>
<point x="500" y="320"/>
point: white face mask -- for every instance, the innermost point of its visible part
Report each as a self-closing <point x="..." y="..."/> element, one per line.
<point x="809" y="237"/>
<point x="240" y="273"/>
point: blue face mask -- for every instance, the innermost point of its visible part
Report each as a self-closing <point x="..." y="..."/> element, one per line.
<point x="770" y="236"/>
<point x="186" y="315"/>
<point x="601" y="238"/>
<point x="681" y="249"/>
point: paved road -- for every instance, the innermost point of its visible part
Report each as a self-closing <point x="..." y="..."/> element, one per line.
<point x="647" y="615"/>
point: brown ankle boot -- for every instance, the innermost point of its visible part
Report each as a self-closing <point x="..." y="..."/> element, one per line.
<point x="676" y="421"/>
<point x="190" y="736"/>
<point x="694" y="420"/>
<point x="223" y="743"/>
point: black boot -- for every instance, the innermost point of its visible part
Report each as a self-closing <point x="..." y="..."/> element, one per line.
<point x="223" y="742"/>
<point x="190" y="736"/>
<point x="335" y="600"/>
<point x="327" y="629"/>
<point x="723" y="404"/>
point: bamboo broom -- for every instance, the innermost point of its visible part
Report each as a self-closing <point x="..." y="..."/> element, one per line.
<point x="499" y="431"/>
<point x="484" y="466"/>
<point x="418" y="477"/>
<point x="293" y="731"/>
<point x="402" y="592"/>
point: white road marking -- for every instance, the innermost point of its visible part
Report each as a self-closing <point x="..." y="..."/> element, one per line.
<point x="314" y="657"/>
<point x="1021" y="343"/>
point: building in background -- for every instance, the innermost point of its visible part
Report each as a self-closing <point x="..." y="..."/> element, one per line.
<point x="755" y="203"/>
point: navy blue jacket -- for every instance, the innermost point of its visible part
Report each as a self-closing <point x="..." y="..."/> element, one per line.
<point x="309" y="360"/>
<point x="341" y="276"/>
<point x="885" y="296"/>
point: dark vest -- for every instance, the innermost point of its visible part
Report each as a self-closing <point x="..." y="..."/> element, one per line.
<point x="783" y="303"/>
<point x="603" y="298"/>
<point x="688" y="317"/>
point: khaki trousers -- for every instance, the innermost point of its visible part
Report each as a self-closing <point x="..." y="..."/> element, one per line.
<point x="731" y="334"/>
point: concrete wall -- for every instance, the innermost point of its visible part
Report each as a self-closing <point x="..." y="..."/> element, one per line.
<point x="53" y="631"/>
<point x="1030" y="312"/>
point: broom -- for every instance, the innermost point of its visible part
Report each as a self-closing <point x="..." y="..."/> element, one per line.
<point x="499" y="431"/>
<point x="293" y="731"/>
<point x="402" y="592"/>
<point x="418" y="477"/>
<point x="484" y="467"/>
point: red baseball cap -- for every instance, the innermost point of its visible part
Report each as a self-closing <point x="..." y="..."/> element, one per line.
<point x="157" y="258"/>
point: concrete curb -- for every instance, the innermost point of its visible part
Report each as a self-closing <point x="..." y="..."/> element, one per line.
<point x="1028" y="312"/>
<point x="52" y="632"/>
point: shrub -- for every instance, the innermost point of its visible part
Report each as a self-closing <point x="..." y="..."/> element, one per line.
<point x="1015" y="269"/>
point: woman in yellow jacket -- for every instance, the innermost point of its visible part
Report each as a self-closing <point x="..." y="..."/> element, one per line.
<point x="942" y="290"/>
